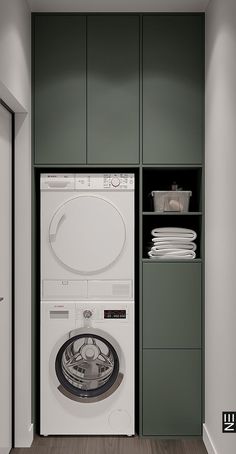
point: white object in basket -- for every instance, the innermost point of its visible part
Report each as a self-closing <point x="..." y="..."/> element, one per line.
<point x="171" y="200"/>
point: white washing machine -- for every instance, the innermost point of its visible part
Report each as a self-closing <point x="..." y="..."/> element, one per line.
<point x="87" y="236"/>
<point x="87" y="368"/>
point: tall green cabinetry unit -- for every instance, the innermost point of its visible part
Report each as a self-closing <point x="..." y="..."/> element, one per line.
<point x="117" y="91"/>
<point x="173" y="150"/>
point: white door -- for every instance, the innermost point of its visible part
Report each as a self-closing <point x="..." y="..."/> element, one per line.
<point x="87" y="234"/>
<point x="5" y="280"/>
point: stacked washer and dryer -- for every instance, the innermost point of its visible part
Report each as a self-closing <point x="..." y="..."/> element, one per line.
<point x="87" y="304"/>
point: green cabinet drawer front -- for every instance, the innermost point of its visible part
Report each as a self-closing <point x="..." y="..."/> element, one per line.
<point x="172" y="392"/>
<point x="173" y="89"/>
<point x="60" y="89"/>
<point x="172" y="305"/>
<point x="113" y="89"/>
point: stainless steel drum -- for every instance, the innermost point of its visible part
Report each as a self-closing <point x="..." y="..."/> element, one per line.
<point x="87" y="365"/>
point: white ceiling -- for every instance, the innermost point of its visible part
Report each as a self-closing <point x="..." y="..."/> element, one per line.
<point x="118" y="5"/>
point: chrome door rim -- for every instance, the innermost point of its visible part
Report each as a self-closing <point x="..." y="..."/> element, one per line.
<point x="66" y="382"/>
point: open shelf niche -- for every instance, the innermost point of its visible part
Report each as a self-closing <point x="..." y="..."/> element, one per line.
<point x="189" y="179"/>
<point x="161" y="179"/>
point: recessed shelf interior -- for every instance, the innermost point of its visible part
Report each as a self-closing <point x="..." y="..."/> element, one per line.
<point x="186" y="221"/>
<point x="161" y="179"/>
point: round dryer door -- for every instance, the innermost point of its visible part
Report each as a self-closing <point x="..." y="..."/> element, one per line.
<point x="87" y="367"/>
<point x="87" y="234"/>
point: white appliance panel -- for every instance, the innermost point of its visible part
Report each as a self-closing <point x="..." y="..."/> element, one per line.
<point x="61" y="414"/>
<point x="86" y="234"/>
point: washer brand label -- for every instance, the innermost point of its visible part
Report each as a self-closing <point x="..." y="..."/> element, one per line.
<point x="229" y="422"/>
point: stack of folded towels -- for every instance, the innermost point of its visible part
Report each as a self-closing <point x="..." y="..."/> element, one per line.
<point x="173" y="243"/>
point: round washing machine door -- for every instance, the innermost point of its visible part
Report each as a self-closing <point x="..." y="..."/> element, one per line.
<point x="87" y="234"/>
<point x="87" y="367"/>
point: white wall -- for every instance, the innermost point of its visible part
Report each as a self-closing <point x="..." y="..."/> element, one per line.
<point x="220" y="392"/>
<point x="15" y="79"/>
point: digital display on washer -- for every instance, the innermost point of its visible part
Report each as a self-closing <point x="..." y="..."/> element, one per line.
<point x="121" y="313"/>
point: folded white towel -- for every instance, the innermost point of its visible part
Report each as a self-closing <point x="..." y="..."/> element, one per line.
<point x="173" y="239"/>
<point x="173" y="254"/>
<point x="171" y="230"/>
<point x="160" y="245"/>
<point x="173" y="233"/>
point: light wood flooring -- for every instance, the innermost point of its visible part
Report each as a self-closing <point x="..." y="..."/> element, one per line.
<point x="112" y="445"/>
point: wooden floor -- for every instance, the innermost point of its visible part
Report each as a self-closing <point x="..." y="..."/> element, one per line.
<point x="111" y="445"/>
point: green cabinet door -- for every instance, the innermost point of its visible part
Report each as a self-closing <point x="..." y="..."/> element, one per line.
<point x="172" y="305"/>
<point x="173" y="89"/>
<point x="60" y="89"/>
<point x="172" y="392"/>
<point x="113" y="89"/>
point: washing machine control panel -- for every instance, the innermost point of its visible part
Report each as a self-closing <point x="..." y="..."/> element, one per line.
<point x="100" y="312"/>
<point x="117" y="181"/>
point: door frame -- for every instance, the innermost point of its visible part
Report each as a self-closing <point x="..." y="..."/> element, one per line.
<point x="5" y="106"/>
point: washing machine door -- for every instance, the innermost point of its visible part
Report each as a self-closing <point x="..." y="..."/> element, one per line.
<point x="87" y="234"/>
<point x="88" y="368"/>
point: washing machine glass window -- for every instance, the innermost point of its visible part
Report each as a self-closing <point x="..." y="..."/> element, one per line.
<point x="87" y="234"/>
<point x="87" y="366"/>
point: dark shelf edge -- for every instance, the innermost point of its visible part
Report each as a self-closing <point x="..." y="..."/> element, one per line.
<point x="85" y="166"/>
<point x="173" y="213"/>
<point x="146" y="260"/>
<point x="172" y="166"/>
<point x="145" y="166"/>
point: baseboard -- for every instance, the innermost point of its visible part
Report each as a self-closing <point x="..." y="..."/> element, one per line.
<point x="25" y="440"/>
<point x="208" y="441"/>
<point x="4" y="450"/>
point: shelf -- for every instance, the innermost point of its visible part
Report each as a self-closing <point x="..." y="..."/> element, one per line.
<point x="185" y="220"/>
<point x="172" y="261"/>
<point x="162" y="178"/>
<point x="172" y="166"/>
<point x="172" y="213"/>
<point x="86" y="166"/>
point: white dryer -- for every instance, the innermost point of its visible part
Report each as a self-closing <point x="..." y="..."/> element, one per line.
<point x="87" y="236"/>
<point x="87" y="368"/>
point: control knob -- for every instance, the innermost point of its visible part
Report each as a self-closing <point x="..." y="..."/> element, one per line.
<point x="115" y="181"/>
<point x="87" y="314"/>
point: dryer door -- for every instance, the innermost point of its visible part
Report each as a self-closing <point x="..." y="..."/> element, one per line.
<point x="87" y="367"/>
<point x="87" y="234"/>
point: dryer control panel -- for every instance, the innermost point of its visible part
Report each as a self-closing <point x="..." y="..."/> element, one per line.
<point x="87" y="181"/>
<point x="115" y="181"/>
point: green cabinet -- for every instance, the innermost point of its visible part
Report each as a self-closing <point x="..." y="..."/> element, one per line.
<point x="113" y="89"/>
<point x="171" y="381"/>
<point x="172" y="305"/>
<point x="59" y="89"/>
<point x="173" y="89"/>
<point x="171" y="392"/>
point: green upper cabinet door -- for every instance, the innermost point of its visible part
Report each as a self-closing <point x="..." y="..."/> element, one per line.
<point x="173" y="89"/>
<point x="113" y="89"/>
<point x="60" y="89"/>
